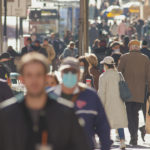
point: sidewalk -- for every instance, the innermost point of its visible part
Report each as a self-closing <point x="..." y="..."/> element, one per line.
<point x="141" y="145"/>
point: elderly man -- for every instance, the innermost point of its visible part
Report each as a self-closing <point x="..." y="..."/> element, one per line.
<point x="87" y="104"/>
<point x="135" y="68"/>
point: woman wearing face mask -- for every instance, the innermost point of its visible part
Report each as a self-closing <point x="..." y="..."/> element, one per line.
<point x="84" y="68"/>
<point x="110" y="96"/>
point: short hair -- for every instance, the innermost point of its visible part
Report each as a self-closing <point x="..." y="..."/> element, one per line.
<point x="92" y="59"/>
<point x="29" y="39"/>
<point x="33" y="57"/>
<point x="46" y="39"/>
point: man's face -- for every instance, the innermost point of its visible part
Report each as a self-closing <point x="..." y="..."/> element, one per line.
<point x="34" y="78"/>
<point x="28" y="42"/>
<point x="37" y="44"/>
<point x="45" y="42"/>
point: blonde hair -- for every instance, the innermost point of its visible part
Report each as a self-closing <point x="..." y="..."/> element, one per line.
<point x="32" y="57"/>
<point x="92" y="59"/>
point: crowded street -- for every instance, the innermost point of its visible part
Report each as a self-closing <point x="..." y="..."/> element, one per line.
<point x="74" y="74"/>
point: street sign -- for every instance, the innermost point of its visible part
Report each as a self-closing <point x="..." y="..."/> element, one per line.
<point x="17" y="7"/>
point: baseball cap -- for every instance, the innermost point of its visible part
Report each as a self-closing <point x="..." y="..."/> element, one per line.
<point x="108" y="60"/>
<point x="134" y="42"/>
<point x="70" y="62"/>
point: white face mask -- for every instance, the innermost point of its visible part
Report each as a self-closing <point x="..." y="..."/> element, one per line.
<point x="82" y="69"/>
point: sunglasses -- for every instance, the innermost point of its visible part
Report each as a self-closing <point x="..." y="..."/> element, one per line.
<point x="73" y="71"/>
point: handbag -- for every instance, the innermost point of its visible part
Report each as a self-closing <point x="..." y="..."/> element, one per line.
<point x="125" y="93"/>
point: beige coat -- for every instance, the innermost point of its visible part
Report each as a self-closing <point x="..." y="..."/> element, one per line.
<point x="50" y="51"/>
<point x="135" y="69"/>
<point x="110" y="96"/>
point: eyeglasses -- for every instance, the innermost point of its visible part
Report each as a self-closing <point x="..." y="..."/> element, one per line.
<point x="73" y="71"/>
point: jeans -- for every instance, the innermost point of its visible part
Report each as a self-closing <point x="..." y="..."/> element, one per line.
<point x="121" y="134"/>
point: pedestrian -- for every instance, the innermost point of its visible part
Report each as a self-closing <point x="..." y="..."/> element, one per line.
<point x="28" y="47"/>
<point x="37" y="121"/>
<point x="50" y="50"/>
<point x="37" y="48"/>
<point x="116" y="57"/>
<point x="135" y="69"/>
<point x="87" y="104"/>
<point x="86" y="76"/>
<point x="122" y="29"/>
<point x="93" y="69"/>
<point x="52" y="80"/>
<point x="114" y="29"/>
<point x="124" y="48"/>
<point x="113" y="104"/>
<point x="145" y="50"/>
<point x="114" y="48"/>
<point x="8" y="61"/>
<point x="70" y="51"/>
<point x="12" y="52"/>
<point x="5" y="90"/>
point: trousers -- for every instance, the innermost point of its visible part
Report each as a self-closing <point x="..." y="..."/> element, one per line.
<point x="133" y="118"/>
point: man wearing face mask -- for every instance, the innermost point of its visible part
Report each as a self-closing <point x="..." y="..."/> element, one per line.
<point x="87" y="104"/>
<point x="115" y="48"/>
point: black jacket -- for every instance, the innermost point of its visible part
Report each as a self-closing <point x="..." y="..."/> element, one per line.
<point x="64" y="132"/>
<point x="5" y="91"/>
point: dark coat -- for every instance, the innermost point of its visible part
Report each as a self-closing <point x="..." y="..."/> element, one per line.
<point x="5" y="91"/>
<point x="64" y="132"/>
<point x="146" y="51"/>
<point x="95" y="74"/>
<point x="135" y="68"/>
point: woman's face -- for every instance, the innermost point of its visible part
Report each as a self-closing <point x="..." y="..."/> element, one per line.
<point x="51" y="81"/>
<point x="81" y="64"/>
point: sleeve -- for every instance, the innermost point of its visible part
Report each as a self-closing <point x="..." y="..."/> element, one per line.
<point x="79" y="140"/>
<point x="5" y="93"/>
<point x="102" y="89"/>
<point x="52" y="53"/>
<point x="148" y="75"/>
<point x="102" y="127"/>
<point x="121" y="65"/>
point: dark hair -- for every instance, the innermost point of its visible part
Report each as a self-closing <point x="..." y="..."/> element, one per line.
<point x="144" y="43"/>
<point x="110" y="66"/>
<point x="53" y="75"/>
<point x="46" y="39"/>
<point x="29" y="39"/>
<point x="86" y="66"/>
<point x="116" y="57"/>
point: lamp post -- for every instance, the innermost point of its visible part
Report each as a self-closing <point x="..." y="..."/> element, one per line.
<point x="5" y="25"/>
<point x="83" y="30"/>
<point x="142" y="9"/>
<point x="1" y="26"/>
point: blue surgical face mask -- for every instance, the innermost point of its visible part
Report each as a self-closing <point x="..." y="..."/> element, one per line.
<point x="69" y="79"/>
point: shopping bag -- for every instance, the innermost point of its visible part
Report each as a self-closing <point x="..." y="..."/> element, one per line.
<point x="148" y="117"/>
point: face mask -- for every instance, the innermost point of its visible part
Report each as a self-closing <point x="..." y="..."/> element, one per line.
<point x="117" y="50"/>
<point x="69" y="79"/>
<point x="82" y="69"/>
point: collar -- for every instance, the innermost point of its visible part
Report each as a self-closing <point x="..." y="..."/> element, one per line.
<point x="58" y="90"/>
<point x="138" y="51"/>
<point x="3" y="80"/>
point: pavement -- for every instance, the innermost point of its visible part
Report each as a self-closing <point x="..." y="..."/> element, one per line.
<point x="141" y="145"/>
